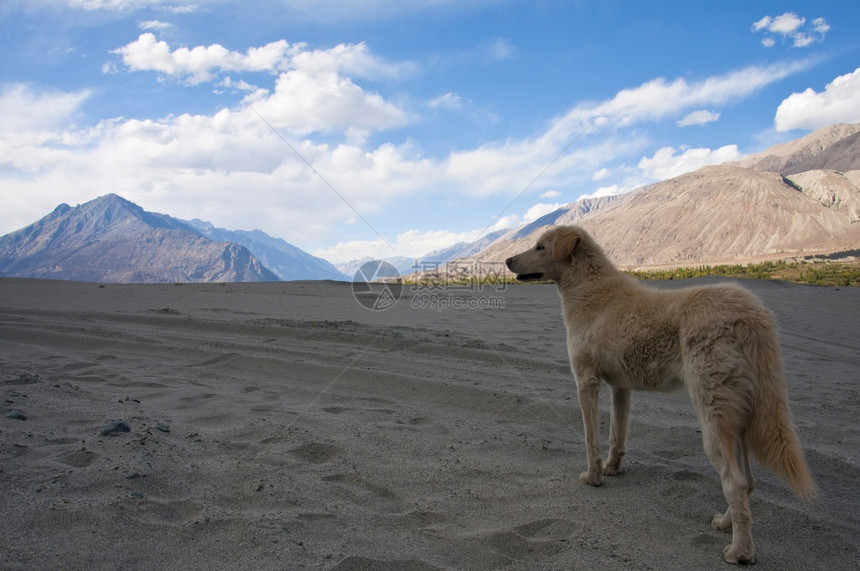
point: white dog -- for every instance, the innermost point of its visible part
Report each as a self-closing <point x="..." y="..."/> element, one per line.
<point x="719" y="342"/>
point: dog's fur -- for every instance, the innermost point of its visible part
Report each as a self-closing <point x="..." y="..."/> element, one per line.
<point x="719" y="342"/>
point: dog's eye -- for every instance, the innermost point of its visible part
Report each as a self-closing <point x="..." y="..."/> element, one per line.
<point x="540" y="247"/>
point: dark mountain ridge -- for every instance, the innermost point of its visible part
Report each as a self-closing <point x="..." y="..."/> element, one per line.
<point x="110" y="239"/>
<point x="285" y="260"/>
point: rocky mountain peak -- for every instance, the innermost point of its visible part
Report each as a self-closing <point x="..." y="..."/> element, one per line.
<point x="110" y="239"/>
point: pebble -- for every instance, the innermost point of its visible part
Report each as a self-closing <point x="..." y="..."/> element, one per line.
<point x="163" y="427"/>
<point x="115" y="426"/>
<point x="15" y="414"/>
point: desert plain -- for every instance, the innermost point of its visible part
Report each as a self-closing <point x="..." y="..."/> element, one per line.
<point x="286" y="426"/>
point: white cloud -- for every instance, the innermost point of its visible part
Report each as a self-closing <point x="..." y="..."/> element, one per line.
<point x="38" y="130"/>
<point x="324" y="11"/>
<point x="183" y="8"/>
<point x="203" y="63"/>
<point x="355" y="60"/>
<point x="120" y="5"/>
<point x="511" y="166"/>
<point x="550" y="194"/>
<point x="324" y="102"/>
<point x="26" y="109"/>
<point x="516" y="166"/>
<point x="600" y="174"/>
<point x="454" y="103"/>
<point x="504" y="223"/>
<point x="659" y="99"/>
<point x="803" y="40"/>
<point x="500" y="49"/>
<point x="205" y="165"/>
<point x="378" y="249"/>
<point x="419" y="242"/>
<point x="416" y="243"/>
<point x="193" y="166"/>
<point x="838" y="103"/>
<point x="314" y="90"/>
<point x="790" y="26"/>
<point x="540" y="209"/>
<point x="411" y="243"/>
<point x="604" y="191"/>
<point x="175" y="6"/>
<point x="240" y="85"/>
<point x="784" y="24"/>
<point x="450" y="101"/>
<point x="698" y="118"/>
<point x="820" y="25"/>
<point x="316" y="95"/>
<point x="669" y="162"/>
<point x="762" y="24"/>
<point x="154" y="25"/>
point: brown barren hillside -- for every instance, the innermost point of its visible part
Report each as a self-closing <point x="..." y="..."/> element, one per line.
<point x="835" y="190"/>
<point x="821" y="149"/>
<point x="739" y="212"/>
<point x="718" y="214"/>
<point x="721" y="214"/>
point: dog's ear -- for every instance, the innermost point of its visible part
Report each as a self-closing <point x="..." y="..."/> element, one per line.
<point x="564" y="243"/>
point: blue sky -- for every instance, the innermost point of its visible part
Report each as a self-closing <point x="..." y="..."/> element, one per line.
<point x="382" y="127"/>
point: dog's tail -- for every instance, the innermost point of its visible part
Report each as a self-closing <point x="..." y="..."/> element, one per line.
<point x="771" y="437"/>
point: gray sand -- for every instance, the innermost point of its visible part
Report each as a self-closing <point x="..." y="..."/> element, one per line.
<point x="283" y="425"/>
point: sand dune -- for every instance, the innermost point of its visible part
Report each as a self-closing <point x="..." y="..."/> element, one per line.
<point x="283" y="425"/>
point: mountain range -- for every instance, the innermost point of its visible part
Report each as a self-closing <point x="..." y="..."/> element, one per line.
<point x="286" y="261"/>
<point x="112" y="240"/>
<point x="431" y="260"/>
<point x="795" y="200"/>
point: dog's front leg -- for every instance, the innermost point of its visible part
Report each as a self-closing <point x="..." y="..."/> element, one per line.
<point x="617" y="430"/>
<point x="588" y="388"/>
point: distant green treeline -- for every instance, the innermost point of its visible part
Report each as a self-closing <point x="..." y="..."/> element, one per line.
<point x="819" y="273"/>
<point x="839" y="274"/>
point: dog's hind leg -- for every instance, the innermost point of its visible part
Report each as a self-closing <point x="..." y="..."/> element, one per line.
<point x="617" y="431"/>
<point x="724" y="447"/>
<point x="720" y="383"/>
<point x="723" y="521"/>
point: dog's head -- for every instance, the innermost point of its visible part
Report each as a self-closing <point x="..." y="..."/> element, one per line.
<point x="551" y="257"/>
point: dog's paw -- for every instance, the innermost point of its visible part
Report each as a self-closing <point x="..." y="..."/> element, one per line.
<point x="738" y="556"/>
<point x="722" y="522"/>
<point x="592" y="479"/>
<point x="612" y="468"/>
